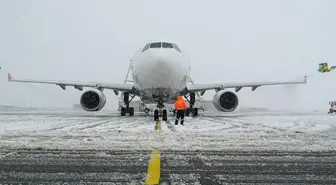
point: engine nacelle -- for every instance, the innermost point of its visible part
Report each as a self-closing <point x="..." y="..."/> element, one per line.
<point x="93" y="100"/>
<point x="225" y="101"/>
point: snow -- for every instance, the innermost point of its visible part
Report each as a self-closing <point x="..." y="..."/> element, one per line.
<point x="215" y="131"/>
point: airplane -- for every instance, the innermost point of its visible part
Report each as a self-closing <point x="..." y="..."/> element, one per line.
<point x="160" y="72"/>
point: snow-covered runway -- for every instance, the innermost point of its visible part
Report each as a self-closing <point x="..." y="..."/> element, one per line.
<point x="52" y="147"/>
<point x="212" y="131"/>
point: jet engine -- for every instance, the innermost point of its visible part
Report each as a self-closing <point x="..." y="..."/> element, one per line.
<point x="225" y="101"/>
<point x="93" y="100"/>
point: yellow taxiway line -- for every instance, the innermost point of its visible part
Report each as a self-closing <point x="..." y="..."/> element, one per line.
<point x="154" y="166"/>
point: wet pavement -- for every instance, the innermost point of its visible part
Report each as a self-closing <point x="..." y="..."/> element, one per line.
<point x="39" y="166"/>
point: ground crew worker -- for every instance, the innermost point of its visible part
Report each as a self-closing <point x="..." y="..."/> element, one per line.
<point x="180" y="107"/>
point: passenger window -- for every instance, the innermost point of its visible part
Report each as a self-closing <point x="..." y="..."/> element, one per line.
<point x="177" y="48"/>
<point x="167" y="45"/>
<point x="145" y="48"/>
<point x="155" y="45"/>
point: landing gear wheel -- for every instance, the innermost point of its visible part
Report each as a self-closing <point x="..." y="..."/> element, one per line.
<point x="164" y="115"/>
<point x="187" y="112"/>
<point x="156" y="115"/>
<point x="131" y="111"/>
<point x="123" y="111"/>
<point x="195" y="112"/>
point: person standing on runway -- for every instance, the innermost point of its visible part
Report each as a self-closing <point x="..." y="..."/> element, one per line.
<point x="180" y="107"/>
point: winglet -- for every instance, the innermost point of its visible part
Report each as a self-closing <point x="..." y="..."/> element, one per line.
<point x="10" y="77"/>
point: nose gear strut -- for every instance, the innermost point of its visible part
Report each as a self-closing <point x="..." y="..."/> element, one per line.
<point x="127" y="108"/>
<point x="191" y="109"/>
<point x="160" y="111"/>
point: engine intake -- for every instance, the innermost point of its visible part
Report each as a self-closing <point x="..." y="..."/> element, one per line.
<point x="93" y="100"/>
<point x="225" y="101"/>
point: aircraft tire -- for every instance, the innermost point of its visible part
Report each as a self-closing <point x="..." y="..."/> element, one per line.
<point x="195" y="112"/>
<point x="123" y="111"/>
<point x="156" y="115"/>
<point x="131" y="111"/>
<point x="187" y="112"/>
<point x="164" y="115"/>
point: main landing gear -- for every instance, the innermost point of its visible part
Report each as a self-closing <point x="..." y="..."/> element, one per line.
<point x="160" y="112"/>
<point x="191" y="109"/>
<point x="127" y="109"/>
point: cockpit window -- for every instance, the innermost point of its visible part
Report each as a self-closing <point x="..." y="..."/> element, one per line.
<point x="167" y="45"/>
<point x="155" y="45"/>
<point x="161" y="44"/>
<point x="145" y="48"/>
<point x="177" y="48"/>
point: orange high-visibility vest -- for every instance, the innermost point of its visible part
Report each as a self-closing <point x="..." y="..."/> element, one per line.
<point x="180" y="104"/>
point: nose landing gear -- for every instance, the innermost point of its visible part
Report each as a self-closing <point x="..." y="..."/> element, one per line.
<point x="160" y="112"/>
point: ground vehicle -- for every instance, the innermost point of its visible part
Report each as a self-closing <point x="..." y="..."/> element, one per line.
<point x="332" y="107"/>
<point x="323" y="67"/>
<point x="332" y="68"/>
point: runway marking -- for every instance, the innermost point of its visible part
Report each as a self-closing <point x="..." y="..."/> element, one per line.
<point x="154" y="166"/>
<point x="158" y="126"/>
<point x="153" y="172"/>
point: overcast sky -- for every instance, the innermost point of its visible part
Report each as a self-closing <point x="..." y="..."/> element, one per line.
<point x="227" y="41"/>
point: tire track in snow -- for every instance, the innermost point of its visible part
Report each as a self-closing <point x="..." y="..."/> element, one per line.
<point x="170" y="126"/>
<point x="100" y="122"/>
<point x="254" y="124"/>
<point x="221" y="128"/>
<point x="231" y="122"/>
<point x="72" y="123"/>
<point x="176" y="134"/>
<point x="84" y="121"/>
<point x="5" y="119"/>
<point x="130" y="123"/>
<point x="239" y="123"/>
<point x="117" y="122"/>
<point x="295" y="128"/>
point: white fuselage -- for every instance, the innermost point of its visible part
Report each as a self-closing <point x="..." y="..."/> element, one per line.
<point x="160" y="73"/>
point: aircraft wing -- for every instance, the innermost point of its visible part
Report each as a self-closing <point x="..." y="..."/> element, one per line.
<point x="239" y="86"/>
<point x="78" y="85"/>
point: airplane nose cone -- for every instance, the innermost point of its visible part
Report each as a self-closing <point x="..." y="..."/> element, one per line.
<point x="160" y="60"/>
<point x="161" y="67"/>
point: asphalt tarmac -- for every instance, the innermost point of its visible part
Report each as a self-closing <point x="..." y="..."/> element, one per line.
<point x="25" y="158"/>
<point x="38" y="166"/>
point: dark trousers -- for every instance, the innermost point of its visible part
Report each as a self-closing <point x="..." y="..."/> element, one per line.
<point x="179" y="114"/>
